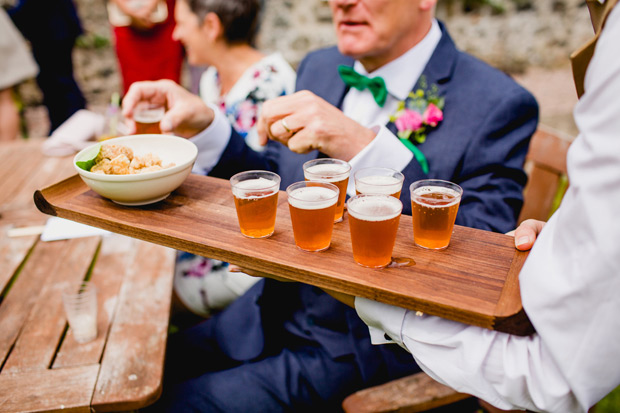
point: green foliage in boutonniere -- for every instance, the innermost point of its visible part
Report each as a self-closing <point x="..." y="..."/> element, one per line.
<point x="422" y="110"/>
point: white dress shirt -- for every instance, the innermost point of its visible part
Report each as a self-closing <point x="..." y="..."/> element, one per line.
<point x="570" y="282"/>
<point x="358" y="105"/>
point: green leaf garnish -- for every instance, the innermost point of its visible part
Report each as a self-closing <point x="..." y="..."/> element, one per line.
<point x="88" y="158"/>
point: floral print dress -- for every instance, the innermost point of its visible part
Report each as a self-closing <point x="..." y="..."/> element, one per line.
<point x="203" y="284"/>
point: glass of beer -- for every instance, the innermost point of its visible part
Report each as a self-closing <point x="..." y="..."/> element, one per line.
<point x="376" y="180"/>
<point x="312" y="206"/>
<point x="333" y="171"/>
<point x="434" y="204"/>
<point x="373" y="221"/>
<point x="256" y="201"/>
<point x="147" y="117"/>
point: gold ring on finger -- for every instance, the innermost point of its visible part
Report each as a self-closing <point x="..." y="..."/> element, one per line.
<point x="285" y="125"/>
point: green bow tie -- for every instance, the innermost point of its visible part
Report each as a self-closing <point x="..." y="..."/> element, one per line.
<point x="375" y="85"/>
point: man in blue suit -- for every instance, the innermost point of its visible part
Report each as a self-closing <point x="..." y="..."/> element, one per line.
<point x="289" y="346"/>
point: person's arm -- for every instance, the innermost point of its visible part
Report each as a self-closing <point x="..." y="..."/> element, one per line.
<point x="507" y="371"/>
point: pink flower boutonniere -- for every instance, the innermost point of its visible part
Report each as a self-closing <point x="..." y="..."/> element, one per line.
<point x="422" y="110"/>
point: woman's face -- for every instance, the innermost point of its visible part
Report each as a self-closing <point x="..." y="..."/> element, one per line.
<point x="190" y="32"/>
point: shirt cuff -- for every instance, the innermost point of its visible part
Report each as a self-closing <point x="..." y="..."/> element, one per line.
<point x="384" y="146"/>
<point x="382" y="319"/>
<point x="211" y="142"/>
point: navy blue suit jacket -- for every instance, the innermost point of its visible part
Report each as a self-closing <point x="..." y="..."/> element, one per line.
<point x="481" y="144"/>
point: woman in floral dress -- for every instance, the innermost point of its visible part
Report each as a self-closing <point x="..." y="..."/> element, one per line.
<point x="220" y="34"/>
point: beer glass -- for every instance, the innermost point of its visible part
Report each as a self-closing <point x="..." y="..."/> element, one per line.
<point x="312" y="206"/>
<point x="434" y="204"/>
<point x="147" y="117"/>
<point x="373" y="222"/>
<point x="330" y="170"/>
<point x="256" y="201"/>
<point x="376" y="180"/>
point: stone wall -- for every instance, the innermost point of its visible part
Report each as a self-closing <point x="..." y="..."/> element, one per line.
<point x="510" y="34"/>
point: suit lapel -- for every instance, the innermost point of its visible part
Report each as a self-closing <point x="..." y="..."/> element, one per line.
<point x="439" y="69"/>
<point x="333" y="88"/>
<point x="580" y="59"/>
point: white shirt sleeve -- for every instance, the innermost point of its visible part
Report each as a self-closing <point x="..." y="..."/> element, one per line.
<point x="510" y="372"/>
<point x="569" y="283"/>
<point x="211" y="142"/>
<point x="384" y="146"/>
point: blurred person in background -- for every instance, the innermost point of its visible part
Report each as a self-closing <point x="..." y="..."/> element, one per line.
<point x="52" y="26"/>
<point x="143" y="40"/>
<point x="16" y="66"/>
<point x="239" y="78"/>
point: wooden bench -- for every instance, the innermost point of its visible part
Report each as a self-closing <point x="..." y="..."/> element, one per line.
<point x="546" y="168"/>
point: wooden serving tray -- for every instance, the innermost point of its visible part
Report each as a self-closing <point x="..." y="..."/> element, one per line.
<point x="474" y="280"/>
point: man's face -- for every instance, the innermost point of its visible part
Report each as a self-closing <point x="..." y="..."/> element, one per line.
<point x="379" y="30"/>
<point x="188" y="32"/>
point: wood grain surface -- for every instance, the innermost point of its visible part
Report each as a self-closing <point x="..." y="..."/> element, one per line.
<point x="42" y="367"/>
<point x="475" y="280"/>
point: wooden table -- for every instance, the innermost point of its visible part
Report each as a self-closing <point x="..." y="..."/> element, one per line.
<point x="42" y="368"/>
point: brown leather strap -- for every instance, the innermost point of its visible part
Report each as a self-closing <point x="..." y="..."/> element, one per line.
<point x="580" y="59"/>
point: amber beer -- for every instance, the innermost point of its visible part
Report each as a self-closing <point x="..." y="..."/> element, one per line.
<point x="373" y="222"/>
<point x="312" y="206"/>
<point x="333" y="171"/>
<point x="374" y="180"/>
<point x="434" y="204"/>
<point x="147" y="118"/>
<point x="256" y="201"/>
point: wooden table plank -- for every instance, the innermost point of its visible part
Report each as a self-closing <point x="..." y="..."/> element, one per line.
<point x="16" y="306"/>
<point x="464" y="282"/>
<point x="108" y="272"/>
<point x="132" y="365"/>
<point x="13" y="251"/>
<point x="61" y="390"/>
<point x="45" y="323"/>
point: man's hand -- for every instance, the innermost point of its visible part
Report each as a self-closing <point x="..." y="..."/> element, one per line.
<point x="304" y="121"/>
<point x="186" y="114"/>
<point x="526" y="233"/>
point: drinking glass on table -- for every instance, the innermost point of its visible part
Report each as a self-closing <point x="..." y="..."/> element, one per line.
<point x="334" y="171"/>
<point x="80" y="303"/>
<point x="147" y="117"/>
<point x="377" y="180"/>
<point x="373" y="222"/>
<point x="256" y="201"/>
<point x="312" y="206"/>
<point x="434" y="204"/>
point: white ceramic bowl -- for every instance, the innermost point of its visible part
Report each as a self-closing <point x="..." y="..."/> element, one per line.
<point x="148" y="187"/>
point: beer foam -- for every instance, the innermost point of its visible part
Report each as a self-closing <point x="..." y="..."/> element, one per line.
<point x="327" y="172"/>
<point x="266" y="186"/>
<point x="312" y="197"/>
<point x="438" y="190"/>
<point x="378" y="184"/>
<point x="374" y="208"/>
